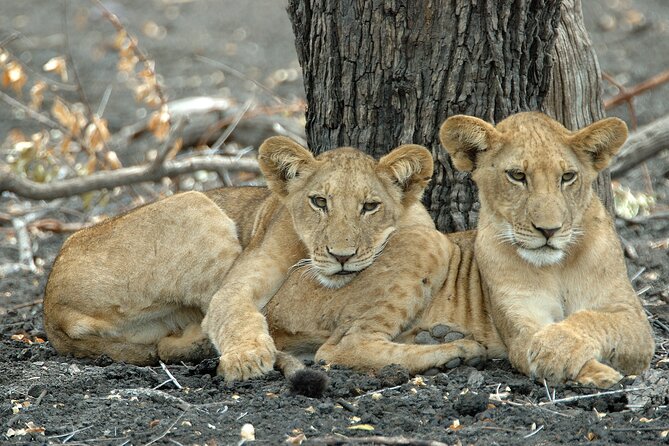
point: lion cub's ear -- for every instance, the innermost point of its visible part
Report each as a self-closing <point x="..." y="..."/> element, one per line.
<point x="464" y="137"/>
<point x="281" y="160"/>
<point x="409" y="166"/>
<point x="600" y="141"/>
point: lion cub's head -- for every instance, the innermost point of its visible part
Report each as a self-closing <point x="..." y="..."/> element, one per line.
<point x="534" y="176"/>
<point x="344" y="204"/>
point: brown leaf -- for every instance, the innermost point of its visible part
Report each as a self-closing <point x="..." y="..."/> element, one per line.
<point x="37" y="95"/>
<point x="159" y="123"/>
<point x="14" y="76"/>
<point x="58" y="66"/>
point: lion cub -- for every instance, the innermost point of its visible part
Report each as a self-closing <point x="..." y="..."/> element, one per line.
<point x="155" y="282"/>
<point x="542" y="281"/>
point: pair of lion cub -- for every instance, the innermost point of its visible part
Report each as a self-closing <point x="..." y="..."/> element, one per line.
<point x="542" y="281"/>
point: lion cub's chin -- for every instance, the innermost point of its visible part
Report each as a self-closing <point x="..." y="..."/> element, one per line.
<point x="543" y="256"/>
<point x="337" y="280"/>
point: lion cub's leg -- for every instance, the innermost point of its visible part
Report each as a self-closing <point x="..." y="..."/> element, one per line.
<point x="575" y="348"/>
<point x="192" y="345"/>
<point x="394" y="297"/>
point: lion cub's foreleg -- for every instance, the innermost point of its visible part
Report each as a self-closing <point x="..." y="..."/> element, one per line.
<point x="580" y="347"/>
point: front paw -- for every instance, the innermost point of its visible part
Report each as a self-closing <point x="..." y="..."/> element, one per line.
<point x="557" y="354"/>
<point x="248" y="359"/>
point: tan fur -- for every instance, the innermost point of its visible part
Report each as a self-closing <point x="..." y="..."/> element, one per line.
<point x="565" y="311"/>
<point x="137" y="287"/>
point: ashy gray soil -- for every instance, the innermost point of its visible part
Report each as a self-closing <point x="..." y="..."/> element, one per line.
<point x="49" y="399"/>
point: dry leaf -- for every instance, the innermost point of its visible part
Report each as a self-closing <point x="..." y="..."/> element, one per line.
<point x="455" y="425"/>
<point x="591" y="436"/>
<point x="62" y="113"/>
<point x="297" y="439"/>
<point x="159" y="124"/>
<point x="112" y="160"/>
<point x="248" y="432"/>
<point x="58" y="66"/>
<point x="37" y="95"/>
<point x="153" y="423"/>
<point x="362" y="427"/>
<point x="97" y="134"/>
<point x="14" y="76"/>
<point x="418" y="381"/>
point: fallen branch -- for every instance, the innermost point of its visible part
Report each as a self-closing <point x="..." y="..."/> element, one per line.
<point x="649" y="141"/>
<point x="120" y="177"/>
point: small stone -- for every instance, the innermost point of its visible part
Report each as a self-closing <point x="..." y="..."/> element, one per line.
<point x="439" y="331"/>
<point x="431" y="372"/>
<point x="425" y="338"/>
<point x="453" y="336"/>
<point x="36" y="390"/>
<point x="475" y="379"/>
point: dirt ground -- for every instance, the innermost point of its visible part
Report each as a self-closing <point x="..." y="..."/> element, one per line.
<point x="49" y="399"/>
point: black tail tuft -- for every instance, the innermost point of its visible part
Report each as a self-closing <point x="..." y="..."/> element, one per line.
<point x="307" y="382"/>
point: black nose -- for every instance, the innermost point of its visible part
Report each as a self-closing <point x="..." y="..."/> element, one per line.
<point x="547" y="232"/>
<point x="341" y="258"/>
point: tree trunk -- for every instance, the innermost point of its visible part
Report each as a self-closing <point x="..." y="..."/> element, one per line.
<point x="575" y="95"/>
<point x="382" y="73"/>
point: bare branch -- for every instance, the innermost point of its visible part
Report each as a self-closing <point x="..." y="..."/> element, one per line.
<point x="120" y="177"/>
<point x="636" y="90"/>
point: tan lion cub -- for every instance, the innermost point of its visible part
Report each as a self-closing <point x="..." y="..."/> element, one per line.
<point x="541" y="281"/>
<point x="137" y="287"/>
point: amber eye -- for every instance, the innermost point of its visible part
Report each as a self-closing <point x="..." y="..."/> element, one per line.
<point x="319" y="202"/>
<point x="370" y="207"/>
<point x="516" y="176"/>
<point x="568" y="177"/>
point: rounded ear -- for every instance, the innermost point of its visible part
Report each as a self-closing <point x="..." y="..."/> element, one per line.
<point x="281" y="160"/>
<point x="410" y="167"/>
<point x="600" y="141"/>
<point x="464" y="137"/>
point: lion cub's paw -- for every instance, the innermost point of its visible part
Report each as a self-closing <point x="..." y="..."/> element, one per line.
<point x="556" y="354"/>
<point x="594" y="373"/>
<point x="248" y="359"/>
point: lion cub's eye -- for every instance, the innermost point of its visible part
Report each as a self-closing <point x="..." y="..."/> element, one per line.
<point x="319" y="202"/>
<point x="516" y="176"/>
<point x="370" y="207"/>
<point x="568" y="177"/>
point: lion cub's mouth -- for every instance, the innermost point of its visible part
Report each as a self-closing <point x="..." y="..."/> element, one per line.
<point x="345" y="272"/>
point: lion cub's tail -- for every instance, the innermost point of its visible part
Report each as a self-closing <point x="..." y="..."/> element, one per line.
<point x="302" y="381"/>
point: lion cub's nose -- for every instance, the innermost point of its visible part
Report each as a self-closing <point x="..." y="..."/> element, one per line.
<point x="547" y="232"/>
<point x="341" y="258"/>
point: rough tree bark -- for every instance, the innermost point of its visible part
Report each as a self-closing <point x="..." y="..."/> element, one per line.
<point x="379" y="73"/>
<point x="575" y="94"/>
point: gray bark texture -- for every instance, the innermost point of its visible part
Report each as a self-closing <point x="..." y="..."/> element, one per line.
<point x="380" y="73"/>
<point x="575" y="94"/>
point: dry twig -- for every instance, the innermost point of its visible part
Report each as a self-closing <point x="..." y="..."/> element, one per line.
<point x="592" y="395"/>
<point x="120" y="177"/>
<point x="629" y="93"/>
